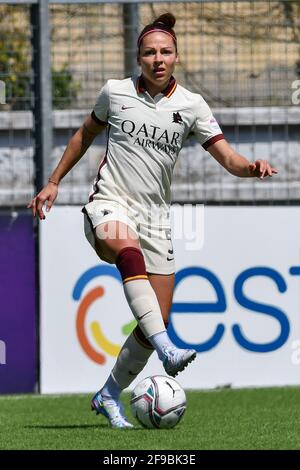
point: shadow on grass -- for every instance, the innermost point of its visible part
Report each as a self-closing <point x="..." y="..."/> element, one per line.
<point x="70" y="426"/>
<point x="78" y="426"/>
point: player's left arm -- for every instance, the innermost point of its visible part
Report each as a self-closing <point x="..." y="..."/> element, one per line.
<point x="238" y="165"/>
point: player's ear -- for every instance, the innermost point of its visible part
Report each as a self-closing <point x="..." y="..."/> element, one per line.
<point x="177" y="60"/>
<point x="138" y="59"/>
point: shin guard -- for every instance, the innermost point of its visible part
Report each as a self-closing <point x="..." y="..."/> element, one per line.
<point x="138" y="291"/>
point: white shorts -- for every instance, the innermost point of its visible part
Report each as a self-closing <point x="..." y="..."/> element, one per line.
<point x="155" y="241"/>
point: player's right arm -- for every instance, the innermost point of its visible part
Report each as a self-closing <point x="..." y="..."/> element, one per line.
<point x="74" y="151"/>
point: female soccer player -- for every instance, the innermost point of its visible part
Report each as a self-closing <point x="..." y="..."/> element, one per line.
<point x="127" y="222"/>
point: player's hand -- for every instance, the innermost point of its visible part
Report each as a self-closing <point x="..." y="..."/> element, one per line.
<point x="46" y="196"/>
<point x="261" y="169"/>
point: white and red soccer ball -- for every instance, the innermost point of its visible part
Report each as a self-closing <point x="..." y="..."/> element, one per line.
<point x="158" y="402"/>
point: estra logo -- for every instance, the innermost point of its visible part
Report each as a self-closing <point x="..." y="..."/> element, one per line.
<point x="219" y="306"/>
<point x="88" y="329"/>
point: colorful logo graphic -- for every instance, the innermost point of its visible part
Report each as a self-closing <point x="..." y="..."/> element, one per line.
<point x="203" y="308"/>
<point x="96" y="293"/>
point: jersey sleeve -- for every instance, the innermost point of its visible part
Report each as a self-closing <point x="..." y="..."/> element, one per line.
<point x="206" y="128"/>
<point x="101" y="109"/>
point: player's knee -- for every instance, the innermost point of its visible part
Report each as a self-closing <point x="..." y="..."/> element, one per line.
<point x="110" y="245"/>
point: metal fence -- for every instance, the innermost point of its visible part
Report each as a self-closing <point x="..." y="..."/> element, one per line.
<point x="242" y="56"/>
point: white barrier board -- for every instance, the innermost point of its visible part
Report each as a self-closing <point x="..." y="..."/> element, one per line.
<point x="237" y="301"/>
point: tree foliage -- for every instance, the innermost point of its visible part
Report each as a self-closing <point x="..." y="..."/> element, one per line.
<point x="16" y="64"/>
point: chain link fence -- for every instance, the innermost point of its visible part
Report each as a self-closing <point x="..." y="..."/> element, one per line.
<point x="242" y="56"/>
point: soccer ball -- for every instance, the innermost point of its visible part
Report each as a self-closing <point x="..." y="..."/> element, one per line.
<point x="158" y="402"/>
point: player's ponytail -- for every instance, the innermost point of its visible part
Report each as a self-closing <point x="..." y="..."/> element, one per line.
<point x="164" y="23"/>
<point x="168" y="20"/>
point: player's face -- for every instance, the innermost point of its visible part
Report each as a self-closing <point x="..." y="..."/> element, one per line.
<point x="157" y="58"/>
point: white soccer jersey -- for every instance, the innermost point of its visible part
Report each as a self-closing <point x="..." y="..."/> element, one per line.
<point x="145" y="136"/>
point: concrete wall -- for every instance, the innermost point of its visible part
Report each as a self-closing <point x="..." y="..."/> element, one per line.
<point x="269" y="133"/>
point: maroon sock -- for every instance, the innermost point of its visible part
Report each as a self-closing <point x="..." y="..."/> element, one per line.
<point x="141" y="338"/>
<point x="131" y="264"/>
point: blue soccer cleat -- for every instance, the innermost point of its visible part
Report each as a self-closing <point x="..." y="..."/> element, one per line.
<point x="177" y="359"/>
<point x="112" y="410"/>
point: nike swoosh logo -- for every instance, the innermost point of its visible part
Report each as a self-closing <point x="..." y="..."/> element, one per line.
<point x="144" y="314"/>
<point x="170" y="259"/>
<point x="127" y="107"/>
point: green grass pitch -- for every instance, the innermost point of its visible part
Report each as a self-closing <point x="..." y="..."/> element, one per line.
<point x="266" y="418"/>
